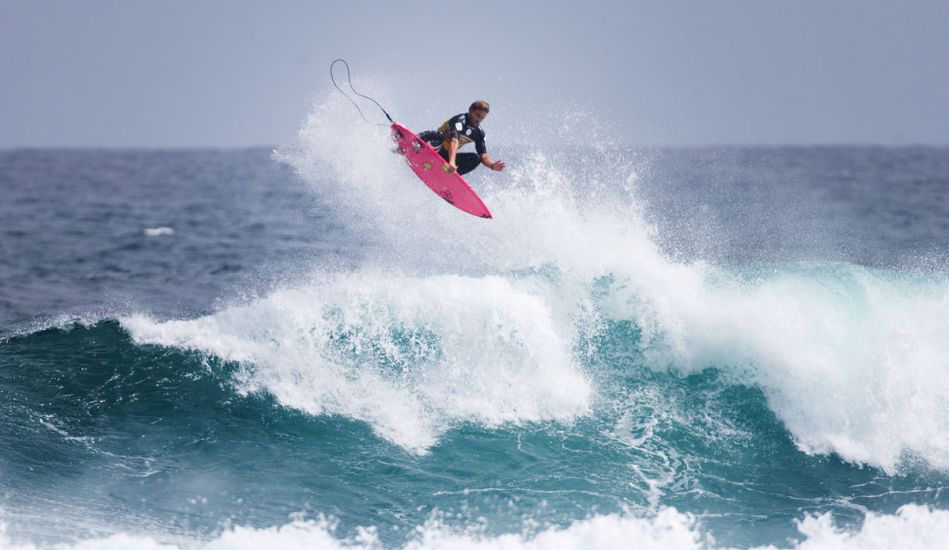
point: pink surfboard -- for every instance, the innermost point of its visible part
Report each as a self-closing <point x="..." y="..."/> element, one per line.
<point x="432" y="169"/>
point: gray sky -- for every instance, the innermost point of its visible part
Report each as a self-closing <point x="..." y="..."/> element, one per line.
<point x="225" y="73"/>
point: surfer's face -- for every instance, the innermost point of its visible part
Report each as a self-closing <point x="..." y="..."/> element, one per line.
<point x="476" y="116"/>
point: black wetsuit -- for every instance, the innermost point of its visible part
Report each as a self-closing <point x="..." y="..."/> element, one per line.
<point x="457" y="127"/>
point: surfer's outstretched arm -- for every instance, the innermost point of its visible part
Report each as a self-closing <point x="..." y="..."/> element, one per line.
<point x="494" y="165"/>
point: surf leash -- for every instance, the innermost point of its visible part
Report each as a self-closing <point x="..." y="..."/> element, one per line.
<point x="350" y="80"/>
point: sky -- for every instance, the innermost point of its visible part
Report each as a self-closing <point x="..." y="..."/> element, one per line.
<point x="175" y="74"/>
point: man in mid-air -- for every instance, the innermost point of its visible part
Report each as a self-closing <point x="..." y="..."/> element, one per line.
<point x="456" y="132"/>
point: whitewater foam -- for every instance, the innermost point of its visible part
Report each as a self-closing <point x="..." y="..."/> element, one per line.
<point x="911" y="527"/>
<point x="852" y="360"/>
<point x="410" y="356"/>
<point x="669" y="529"/>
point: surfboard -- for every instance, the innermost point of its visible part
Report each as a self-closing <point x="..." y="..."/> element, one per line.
<point x="433" y="170"/>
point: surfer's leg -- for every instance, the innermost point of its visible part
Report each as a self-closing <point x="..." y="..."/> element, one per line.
<point x="431" y="136"/>
<point x="467" y="162"/>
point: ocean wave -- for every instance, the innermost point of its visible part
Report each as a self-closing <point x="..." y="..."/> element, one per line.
<point x="852" y="359"/>
<point x="410" y="356"/>
<point x="849" y="359"/>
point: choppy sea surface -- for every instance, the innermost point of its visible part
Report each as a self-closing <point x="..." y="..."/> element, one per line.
<point x="305" y="347"/>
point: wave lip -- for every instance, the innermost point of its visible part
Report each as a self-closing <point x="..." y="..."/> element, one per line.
<point x="410" y="356"/>
<point x="851" y="359"/>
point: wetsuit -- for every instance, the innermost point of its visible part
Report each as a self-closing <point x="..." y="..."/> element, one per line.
<point x="457" y="127"/>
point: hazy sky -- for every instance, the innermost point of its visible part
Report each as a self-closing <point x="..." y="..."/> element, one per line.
<point x="226" y="73"/>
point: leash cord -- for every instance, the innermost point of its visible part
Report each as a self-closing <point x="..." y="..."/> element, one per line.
<point x="350" y="80"/>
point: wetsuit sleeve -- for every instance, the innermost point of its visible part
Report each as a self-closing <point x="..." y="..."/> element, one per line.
<point x="455" y="125"/>
<point x="479" y="144"/>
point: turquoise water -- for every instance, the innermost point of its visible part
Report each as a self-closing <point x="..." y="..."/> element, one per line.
<point x="128" y="436"/>
<point x="722" y="348"/>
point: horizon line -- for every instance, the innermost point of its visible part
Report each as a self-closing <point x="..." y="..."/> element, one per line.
<point x="271" y="147"/>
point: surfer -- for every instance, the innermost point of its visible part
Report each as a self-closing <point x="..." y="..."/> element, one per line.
<point x="458" y="131"/>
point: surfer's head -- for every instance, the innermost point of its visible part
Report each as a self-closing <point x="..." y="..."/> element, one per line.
<point x="477" y="111"/>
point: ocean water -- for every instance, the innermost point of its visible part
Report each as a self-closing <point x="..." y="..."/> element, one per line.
<point x="304" y="347"/>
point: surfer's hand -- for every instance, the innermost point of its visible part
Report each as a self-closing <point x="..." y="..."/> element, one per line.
<point x="452" y="168"/>
<point x="498" y="166"/>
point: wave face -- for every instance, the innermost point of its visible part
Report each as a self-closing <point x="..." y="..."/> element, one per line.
<point x="692" y="348"/>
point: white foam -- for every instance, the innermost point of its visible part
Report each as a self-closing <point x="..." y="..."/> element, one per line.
<point x="158" y="231"/>
<point x="912" y="527"/>
<point x="667" y="530"/>
<point x="411" y="356"/>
